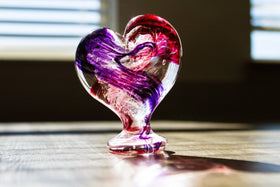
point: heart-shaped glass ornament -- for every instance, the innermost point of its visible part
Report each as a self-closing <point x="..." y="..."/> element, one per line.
<point x="131" y="74"/>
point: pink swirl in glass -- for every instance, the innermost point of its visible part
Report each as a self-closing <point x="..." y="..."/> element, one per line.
<point x="131" y="74"/>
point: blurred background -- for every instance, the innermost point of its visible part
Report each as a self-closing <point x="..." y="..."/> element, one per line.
<point x="230" y="68"/>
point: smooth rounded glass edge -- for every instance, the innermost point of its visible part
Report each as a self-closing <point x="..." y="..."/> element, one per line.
<point x="130" y="144"/>
<point x="137" y="150"/>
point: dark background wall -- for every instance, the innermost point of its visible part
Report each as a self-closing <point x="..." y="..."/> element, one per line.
<point x="215" y="35"/>
<point x="217" y="82"/>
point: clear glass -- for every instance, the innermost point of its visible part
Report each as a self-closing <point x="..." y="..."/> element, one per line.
<point x="131" y="74"/>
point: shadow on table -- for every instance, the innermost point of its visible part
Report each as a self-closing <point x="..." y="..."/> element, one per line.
<point x="172" y="163"/>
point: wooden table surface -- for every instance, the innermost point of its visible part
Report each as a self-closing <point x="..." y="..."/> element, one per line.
<point x="198" y="154"/>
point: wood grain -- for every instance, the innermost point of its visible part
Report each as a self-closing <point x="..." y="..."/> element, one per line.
<point x="198" y="154"/>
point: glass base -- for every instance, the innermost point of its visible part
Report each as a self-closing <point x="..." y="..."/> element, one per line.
<point x="128" y="143"/>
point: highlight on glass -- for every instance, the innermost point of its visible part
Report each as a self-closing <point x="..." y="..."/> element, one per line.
<point x="131" y="74"/>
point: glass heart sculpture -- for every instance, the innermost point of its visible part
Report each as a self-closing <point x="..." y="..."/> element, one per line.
<point x="131" y="74"/>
